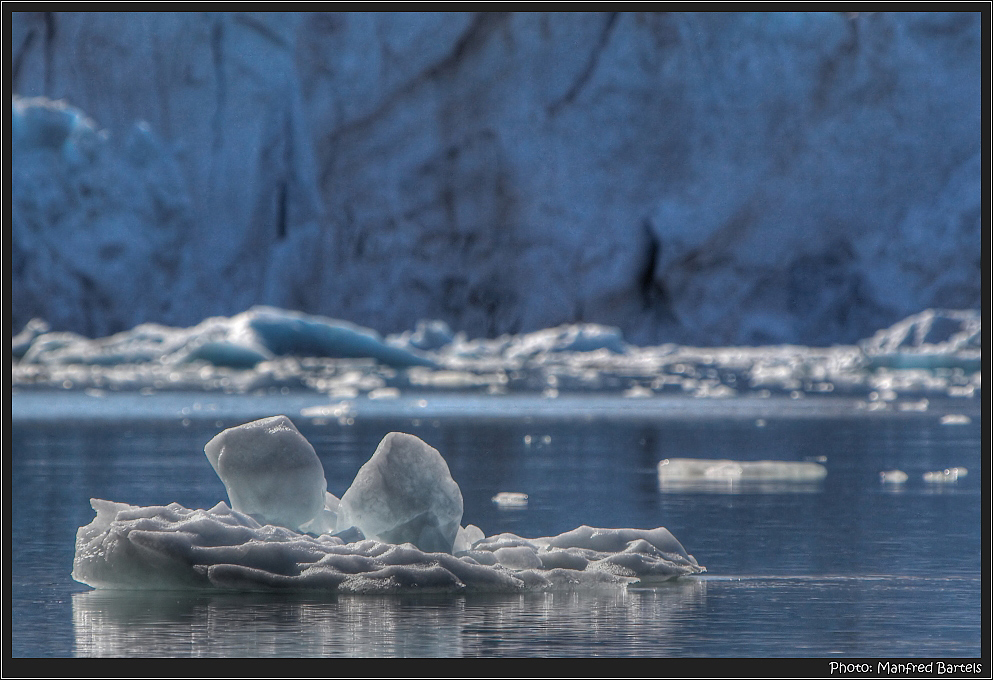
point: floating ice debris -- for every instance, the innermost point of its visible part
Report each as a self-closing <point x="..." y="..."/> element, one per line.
<point x="272" y="473"/>
<point x="583" y="337"/>
<point x="404" y="494"/>
<point x="428" y="335"/>
<point x="384" y="393"/>
<point x="920" y="405"/>
<point x="511" y="499"/>
<point x="893" y="477"/>
<point x="401" y="531"/>
<point x="935" y="338"/>
<point x="266" y="347"/>
<point x="20" y="343"/>
<point x="955" y="419"/>
<point x="690" y="469"/>
<point x="945" y="476"/>
<point x="241" y="341"/>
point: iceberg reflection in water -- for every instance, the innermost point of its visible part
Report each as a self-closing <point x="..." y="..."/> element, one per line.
<point x="114" y="623"/>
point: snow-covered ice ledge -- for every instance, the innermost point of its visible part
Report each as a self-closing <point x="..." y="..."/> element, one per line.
<point x="396" y="529"/>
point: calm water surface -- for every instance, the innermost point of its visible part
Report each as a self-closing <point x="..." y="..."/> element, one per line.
<point x="846" y="567"/>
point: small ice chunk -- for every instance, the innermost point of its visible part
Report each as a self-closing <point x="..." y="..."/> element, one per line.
<point x="955" y="419"/>
<point x="913" y="405"/>
<point x="404" y="494"/>
<point x="945" y="476"/>
<point x="511" y="499"/>
<point x="271" y="472"/>
<point x="384" y="393"/>
<point x="684" y="469"/>
<point x="893" y="477"/>
<point x="467" y="537"/>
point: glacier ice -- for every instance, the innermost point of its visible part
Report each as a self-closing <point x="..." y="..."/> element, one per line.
<point x="619" y="241"/>
<point x="397" y="530"/>
<point x="404" y="494"/>
<point x="272" y="473"/>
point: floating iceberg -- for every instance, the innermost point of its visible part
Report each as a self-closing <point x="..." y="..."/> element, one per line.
<point x="397" y="528"/>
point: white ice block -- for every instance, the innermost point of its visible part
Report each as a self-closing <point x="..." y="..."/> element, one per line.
<point x="270" y="471"/>
<point x="404" y="494"/>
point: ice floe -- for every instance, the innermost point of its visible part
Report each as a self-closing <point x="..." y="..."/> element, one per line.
<point x="396" y="529"/>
